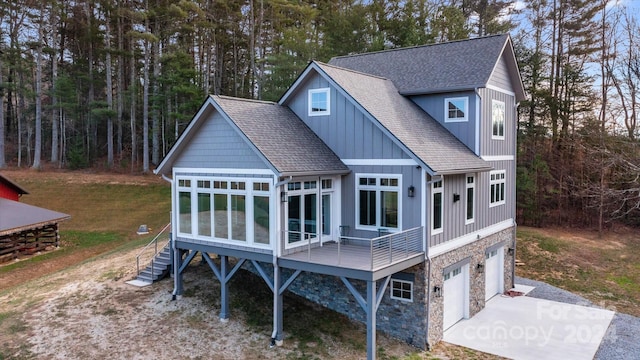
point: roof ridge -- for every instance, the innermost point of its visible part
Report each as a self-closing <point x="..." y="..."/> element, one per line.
<point x="418" y="46"/>
<point x="225" y="97"/>
<point x="352" y="71"/>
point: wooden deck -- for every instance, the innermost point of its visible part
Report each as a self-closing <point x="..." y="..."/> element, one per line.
<point x="352" y="259"/>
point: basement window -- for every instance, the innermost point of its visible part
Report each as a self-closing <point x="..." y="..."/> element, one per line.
<point x="401" y="290"/>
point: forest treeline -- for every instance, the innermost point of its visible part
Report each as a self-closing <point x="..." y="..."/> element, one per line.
<point x="112" y="83"/>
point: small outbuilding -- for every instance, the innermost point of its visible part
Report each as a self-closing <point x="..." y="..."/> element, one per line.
<point x="25" y="229"/>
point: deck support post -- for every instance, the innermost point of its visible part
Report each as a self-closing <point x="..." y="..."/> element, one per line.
<point x="177" y="274"/>
<point x="371" y="320"/>
<point x="277" y="337"/>
<point x="224" y="288"/>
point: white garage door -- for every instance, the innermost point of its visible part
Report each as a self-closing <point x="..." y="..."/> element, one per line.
<point x="494" y="278"/>
<point x="456" y="295"/>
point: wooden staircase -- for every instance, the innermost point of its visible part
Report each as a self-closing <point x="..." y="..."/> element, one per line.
<point x="158" y="268"/>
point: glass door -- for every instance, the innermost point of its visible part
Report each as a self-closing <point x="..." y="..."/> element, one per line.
<point x="302" y="209"/>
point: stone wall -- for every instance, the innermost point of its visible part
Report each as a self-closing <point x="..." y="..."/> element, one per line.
<point x="404" y="320"/>
<point x="475" y="254"/>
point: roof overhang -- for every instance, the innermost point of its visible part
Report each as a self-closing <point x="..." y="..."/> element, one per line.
<point x="16" y="217"/>
<point x="463" y="171"/>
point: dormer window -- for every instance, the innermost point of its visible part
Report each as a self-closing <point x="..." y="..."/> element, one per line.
<point x="319" y="102"/>
<point x="456" y="109"/>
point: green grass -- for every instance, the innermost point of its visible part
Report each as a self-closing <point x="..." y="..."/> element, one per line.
<point x="604" y="270"/>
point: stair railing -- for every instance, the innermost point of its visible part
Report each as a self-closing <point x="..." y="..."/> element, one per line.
<point x="153" y="243"/>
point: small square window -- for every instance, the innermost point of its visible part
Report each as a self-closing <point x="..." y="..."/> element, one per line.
<point x="456" y="109"/>
<point x="319" y="102"/>
<point x="401" y="290"/>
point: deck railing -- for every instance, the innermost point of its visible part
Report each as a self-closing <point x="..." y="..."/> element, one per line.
<point x="379" y="251"/>
<point x="151" y="250"/>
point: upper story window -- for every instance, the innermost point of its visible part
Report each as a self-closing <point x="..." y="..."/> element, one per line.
<point x="378" y="201"/>
<point x="437" y="190"/>
<point x="456" y="109"/>
<point x="319" y="102"/>
<point x="497" y="120"/>
<point x="498" y="183"/>
<point x="471" y="194"/>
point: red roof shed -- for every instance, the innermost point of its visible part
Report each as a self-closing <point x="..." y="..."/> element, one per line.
<point x="10" y="190"/>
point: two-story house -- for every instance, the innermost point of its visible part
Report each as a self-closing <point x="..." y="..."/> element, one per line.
<point x="380" y="185"/>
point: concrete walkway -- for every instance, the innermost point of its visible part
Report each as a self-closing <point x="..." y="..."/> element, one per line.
<point x="523" y="327"/>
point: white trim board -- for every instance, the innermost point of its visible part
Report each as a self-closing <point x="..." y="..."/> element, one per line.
<point x="469" y="238"/>
<point x="498" y="157"/>
<point x="385" y="162"/>
<point x="216" y="171"/>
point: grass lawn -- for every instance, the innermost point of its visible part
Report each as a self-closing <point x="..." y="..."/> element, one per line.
<point x="605" y="270"/>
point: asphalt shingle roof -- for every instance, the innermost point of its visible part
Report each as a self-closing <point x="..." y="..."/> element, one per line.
<point x="285" y="140"/>
<point x="451" y="66"/>
<point x="413" y="127"/>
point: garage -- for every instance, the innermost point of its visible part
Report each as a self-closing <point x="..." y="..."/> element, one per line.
<point x="494" y="276"/>
<point x="456" y="295"/>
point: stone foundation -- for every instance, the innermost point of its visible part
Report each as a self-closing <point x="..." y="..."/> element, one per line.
<point x="474" y="253"/>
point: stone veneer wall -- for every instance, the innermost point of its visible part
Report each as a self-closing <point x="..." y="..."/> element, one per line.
<point x="404" y="320"/>
<point x="476" y="253"/>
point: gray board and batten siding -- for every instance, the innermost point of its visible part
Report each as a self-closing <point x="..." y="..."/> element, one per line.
<point x="216" y="144"/>
<point x="411" y="207"/>
<point x="500" y="76"/>
<point x="493" y="147"/>
<point x="434" y="105"/>
<point x="346" y="130"/>
<point x="454" y="213"/>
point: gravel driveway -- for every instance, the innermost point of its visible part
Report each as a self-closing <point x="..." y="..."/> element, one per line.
<point x="622" y="340"/>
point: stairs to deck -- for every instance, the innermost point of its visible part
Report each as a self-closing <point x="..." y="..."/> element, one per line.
<point x="158" y="268"/>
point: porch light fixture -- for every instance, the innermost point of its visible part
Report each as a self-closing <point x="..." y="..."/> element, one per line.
<point x="510" y="251"/>
<point x="411" y="192"/>
<point x="283" y="196"/>
<point x="456" y="197"/>
<point x="480" y="268"/>
<point x="437" y="291"/>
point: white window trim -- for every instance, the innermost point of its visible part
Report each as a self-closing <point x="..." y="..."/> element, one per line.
<point x="466" y="109"/>
<point x="377" y="189"/>
<point x="434" y="191"/>
<point x="497" y="182"/>
<point x="466" y="193"/>
<point x="402" y="291"/>
<point x="309" y="105"/>
<point x="504" y="119"/>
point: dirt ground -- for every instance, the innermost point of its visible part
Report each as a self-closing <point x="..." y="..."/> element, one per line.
<point x="90" y="312"/>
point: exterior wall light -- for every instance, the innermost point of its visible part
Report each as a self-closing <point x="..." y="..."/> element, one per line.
<point x="437" y="291"/>
<point x="411" y="192"/>
<point x="511" y="251"/>
<point x="456" y="197"/>
<point x="283" y="196"/>
<point x="480" y="268"/>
